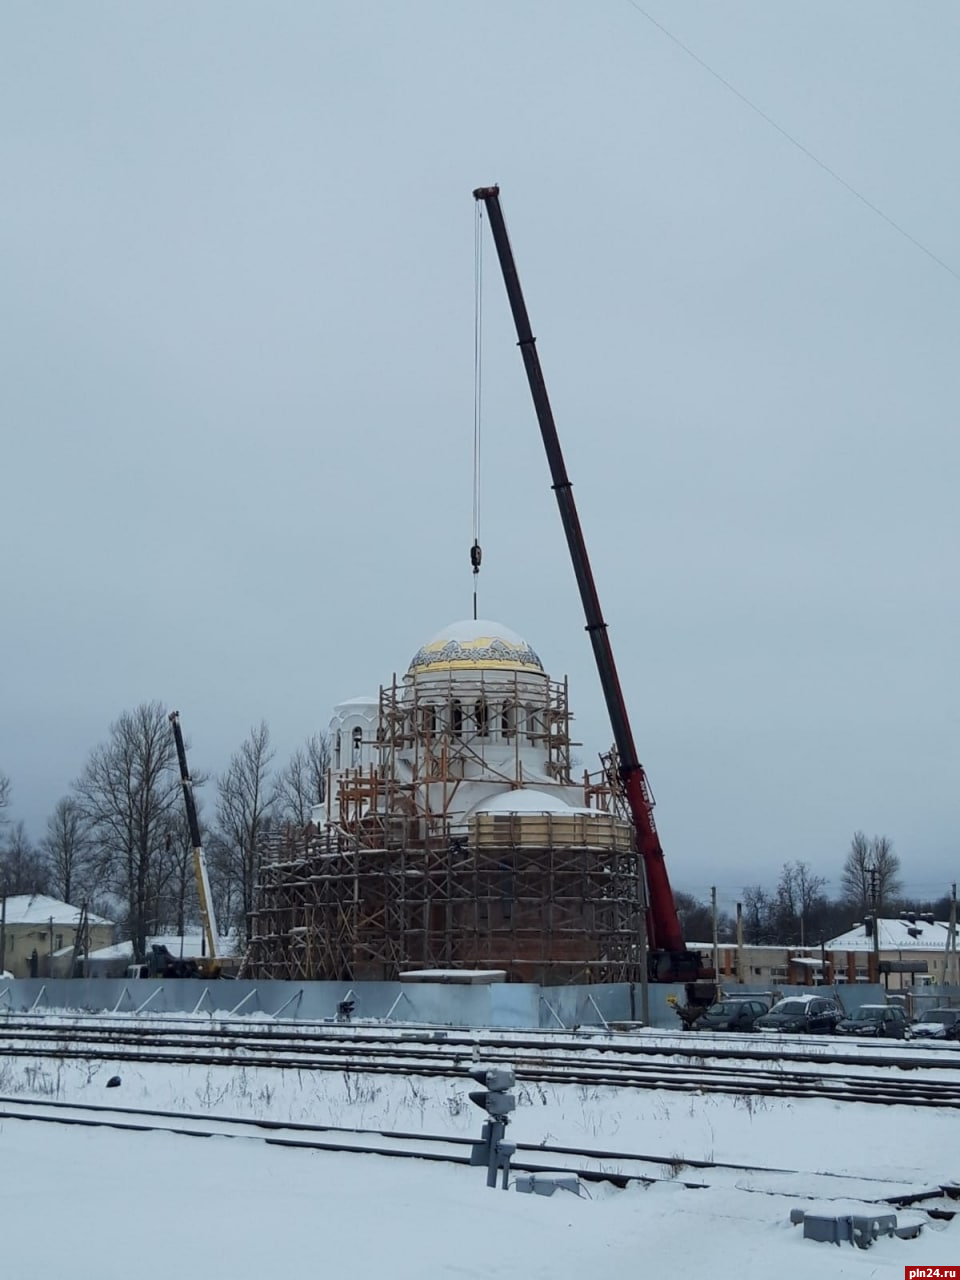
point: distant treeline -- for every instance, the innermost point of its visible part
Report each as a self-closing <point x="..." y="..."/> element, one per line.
<point x="797" y="912"/>
<point x="119" y="841"/>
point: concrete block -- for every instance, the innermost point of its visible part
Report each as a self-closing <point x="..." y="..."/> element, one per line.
<point x="545" y="1184"/>
<point x="858" y="1229"/>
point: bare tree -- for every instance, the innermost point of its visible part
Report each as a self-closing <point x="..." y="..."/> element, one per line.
<point x="181" y="902"/>
<point x="871" y="873"/>
<point x="68" y="850"/>
<point x="759" y="926"/>
<point x="224" y="886"/>
<point x="303" y="781"/>
<point x="4" y="795"/>
<point x="22" y="867"/>
<point x="799" y="892"/>
<point x="245" y="805"/>
<point x="127" y="795"/>
<point x="855" y="880"/>
<point x="696" y="919"/>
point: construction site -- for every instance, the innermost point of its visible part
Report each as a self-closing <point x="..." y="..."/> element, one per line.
<point x="454" y="836"/>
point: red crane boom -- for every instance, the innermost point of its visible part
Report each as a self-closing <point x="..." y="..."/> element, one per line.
<point x="669" y="959"/>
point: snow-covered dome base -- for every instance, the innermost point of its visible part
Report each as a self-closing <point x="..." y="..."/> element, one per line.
<point x="528" y="800"/>
<point x="475" y="645"/>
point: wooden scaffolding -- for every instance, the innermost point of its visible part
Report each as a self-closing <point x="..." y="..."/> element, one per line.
<point x="394" y="882"/>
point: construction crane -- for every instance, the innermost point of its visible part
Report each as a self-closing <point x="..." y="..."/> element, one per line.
<point x="212" y="965"/>
<point x="669" y="960"/>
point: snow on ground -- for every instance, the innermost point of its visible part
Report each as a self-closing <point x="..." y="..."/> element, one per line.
<point x="108" y="1205"/>
<point x="820" y="1135"/>
<point x="146" y="1204"/>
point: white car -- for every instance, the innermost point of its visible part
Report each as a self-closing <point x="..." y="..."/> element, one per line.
<point x="937" y="1024"/>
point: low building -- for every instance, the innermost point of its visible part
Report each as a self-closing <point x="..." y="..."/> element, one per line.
<point x="901" y="953"/>
<point x="36" y="926"/>
<point x="767" y="965"/>
<point x="905" y="953"/>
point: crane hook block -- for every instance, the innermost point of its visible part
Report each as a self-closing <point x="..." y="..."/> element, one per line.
<point x="476" y="555"/>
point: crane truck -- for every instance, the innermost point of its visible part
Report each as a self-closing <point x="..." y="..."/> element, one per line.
<point x="668" y="958"/>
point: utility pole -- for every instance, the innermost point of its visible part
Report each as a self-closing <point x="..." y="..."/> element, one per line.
<point x="950" y="949"/>
<point x="875" y="898"/>
<point x="716" y="945"/>
<point x="740" y="942"/>
<point x="3" y="931"/>
<point x="644" y="951"/>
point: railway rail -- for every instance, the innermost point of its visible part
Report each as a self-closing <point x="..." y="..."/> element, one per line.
<point x="807" y="1049"/>
<point x="838" y="1075"/>
<point x="619" y="1168"/>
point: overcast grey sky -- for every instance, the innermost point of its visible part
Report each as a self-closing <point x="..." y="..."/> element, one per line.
<point x="237" y="386"/>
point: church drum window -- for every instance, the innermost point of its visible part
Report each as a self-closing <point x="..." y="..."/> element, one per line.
<point x="481" y="713"/>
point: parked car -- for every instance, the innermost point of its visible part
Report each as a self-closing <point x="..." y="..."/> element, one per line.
<point x="731" y="1015"/>
<point x="802" y="1014"/>
<point x="937" y="1024"/>
<point x="876" y="1020"/>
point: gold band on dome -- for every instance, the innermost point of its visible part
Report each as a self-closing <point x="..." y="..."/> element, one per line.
<point x="471" y="664"/>
<point x="487" y="652"/>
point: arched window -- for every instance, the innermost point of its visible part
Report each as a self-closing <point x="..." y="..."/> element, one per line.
<point x="456" y="718"/>
<point x="428" y="721"/>
<point x="336" y="752"/>
<point x="357" y="745"/>
<point x="481" y="715"/>
<point x="532" y="725"/>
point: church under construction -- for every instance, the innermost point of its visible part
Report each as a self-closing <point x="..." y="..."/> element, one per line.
<point x="453" y="835"/>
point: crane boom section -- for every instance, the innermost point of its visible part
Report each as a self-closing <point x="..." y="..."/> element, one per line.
<point x="207" y="913"/>
<point x="663" y="922"/>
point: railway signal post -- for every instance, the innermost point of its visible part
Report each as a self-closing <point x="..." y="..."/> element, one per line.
<point x="498" y="1102"/>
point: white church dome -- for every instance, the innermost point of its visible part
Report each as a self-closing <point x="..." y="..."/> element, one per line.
<point x="475" y="645"/>
<point x="526" y="800"/>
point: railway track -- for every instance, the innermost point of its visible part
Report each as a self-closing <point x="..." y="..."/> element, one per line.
<point x="620" y="1168"/>
<point x="537" y="1061"/>
<point x="823" y="1051"/>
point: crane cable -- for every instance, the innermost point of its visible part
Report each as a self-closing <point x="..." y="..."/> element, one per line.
<point x="476" y="555"/>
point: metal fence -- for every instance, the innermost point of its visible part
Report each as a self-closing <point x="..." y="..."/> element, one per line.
<point x="501" y="1004"/>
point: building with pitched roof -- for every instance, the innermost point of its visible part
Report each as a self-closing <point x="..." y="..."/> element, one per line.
<point x="35" y="926"/>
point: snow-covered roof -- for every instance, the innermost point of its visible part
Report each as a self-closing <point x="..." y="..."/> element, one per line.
<point x="797" y="953"/>
<point x="527" y="800"/>
<point x="472" y="976"/>
<point x="359" y="703"/>
<point x="802" y="999"/>
<point x="189" y="945"/>
<point x="893" y="935"/>
<point x="38" y="908"/>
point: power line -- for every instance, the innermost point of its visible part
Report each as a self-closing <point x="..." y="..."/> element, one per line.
<point x="848" y="186"/>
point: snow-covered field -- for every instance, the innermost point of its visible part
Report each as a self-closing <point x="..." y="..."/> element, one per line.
<point x="110" y="1204"/>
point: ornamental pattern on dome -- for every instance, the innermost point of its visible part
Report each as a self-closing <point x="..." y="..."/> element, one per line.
<point x="490" y="652"/>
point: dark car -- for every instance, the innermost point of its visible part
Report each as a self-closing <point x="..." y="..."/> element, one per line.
<point x="732" y="1015"/>
<point x="801" y="1014"/>
<point x="937" y="1024"/>
<point x="876" y="1020"/>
